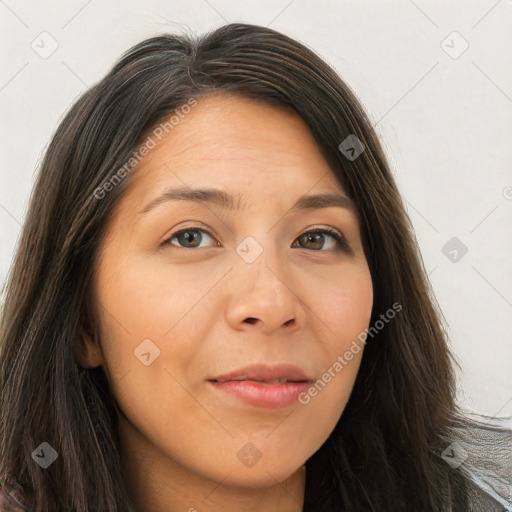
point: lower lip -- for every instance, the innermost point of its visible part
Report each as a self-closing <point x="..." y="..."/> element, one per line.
<point x="263" y="395"/>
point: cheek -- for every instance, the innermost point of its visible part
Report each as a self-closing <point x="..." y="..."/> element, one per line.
<point x="343" y="310"/>
<point x="142" y="301"/>
<point x="137" y="299"/>
<point x="146" y="338"/>
<point x="344" y="305"/>
<point x="152" y="319"/>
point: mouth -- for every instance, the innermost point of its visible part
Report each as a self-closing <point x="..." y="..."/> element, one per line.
<point x="269" y="382"/>
<point x="270" y="386"/>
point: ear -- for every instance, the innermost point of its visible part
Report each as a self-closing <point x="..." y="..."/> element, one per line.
<point x="88" y="351"/>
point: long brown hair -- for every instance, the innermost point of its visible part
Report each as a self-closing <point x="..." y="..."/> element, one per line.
<point x="385" y="452"/>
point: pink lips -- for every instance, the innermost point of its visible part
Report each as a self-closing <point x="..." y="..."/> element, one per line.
<point x="256" y="384"/>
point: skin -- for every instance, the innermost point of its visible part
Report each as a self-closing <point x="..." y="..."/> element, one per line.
<point x="307" y="300"/>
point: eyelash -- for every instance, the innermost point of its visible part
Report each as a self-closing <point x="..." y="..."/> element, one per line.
<point x="342" y="243"/>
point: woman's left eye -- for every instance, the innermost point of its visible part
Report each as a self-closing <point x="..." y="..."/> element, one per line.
<point x="317" y="237"/>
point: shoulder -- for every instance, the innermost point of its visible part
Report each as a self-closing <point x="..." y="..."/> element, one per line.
<point x="482" y="448"/>
<point x="11" y="499"/>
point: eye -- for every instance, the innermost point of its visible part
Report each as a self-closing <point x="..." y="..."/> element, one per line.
<point x="190" y="238"/>
<point x="317" y="237"/>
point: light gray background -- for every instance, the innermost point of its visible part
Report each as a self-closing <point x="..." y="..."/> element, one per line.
<point x="445" y="118"/>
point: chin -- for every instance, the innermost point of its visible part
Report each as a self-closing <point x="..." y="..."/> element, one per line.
<point x="265" y="476"/>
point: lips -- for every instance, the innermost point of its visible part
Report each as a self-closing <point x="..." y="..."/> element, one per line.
<point x="269" y="374"/>
<point x="267" y="386"/>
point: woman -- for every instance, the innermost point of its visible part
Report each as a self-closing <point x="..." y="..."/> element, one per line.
<point x="217" y="303"/>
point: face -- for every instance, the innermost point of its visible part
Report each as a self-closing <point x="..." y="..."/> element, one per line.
<point x="193" y="290"/>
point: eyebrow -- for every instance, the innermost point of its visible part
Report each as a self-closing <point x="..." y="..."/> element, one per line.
<point x="227" y="201"/>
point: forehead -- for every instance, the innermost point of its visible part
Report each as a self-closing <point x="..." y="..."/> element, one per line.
<point x="238" y="145"/>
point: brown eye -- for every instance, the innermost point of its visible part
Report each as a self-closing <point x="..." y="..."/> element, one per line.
<point x="188" y="238"/>
<point x="316" y="239"/>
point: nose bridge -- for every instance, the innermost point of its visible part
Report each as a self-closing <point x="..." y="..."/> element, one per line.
<point x="263" y="259"/>
<point x="268" y="272"/>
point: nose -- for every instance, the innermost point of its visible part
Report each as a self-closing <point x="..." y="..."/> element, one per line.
<point x="264" y="296"/>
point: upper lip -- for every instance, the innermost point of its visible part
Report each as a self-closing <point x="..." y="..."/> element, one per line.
<point x="265" y="373"/>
